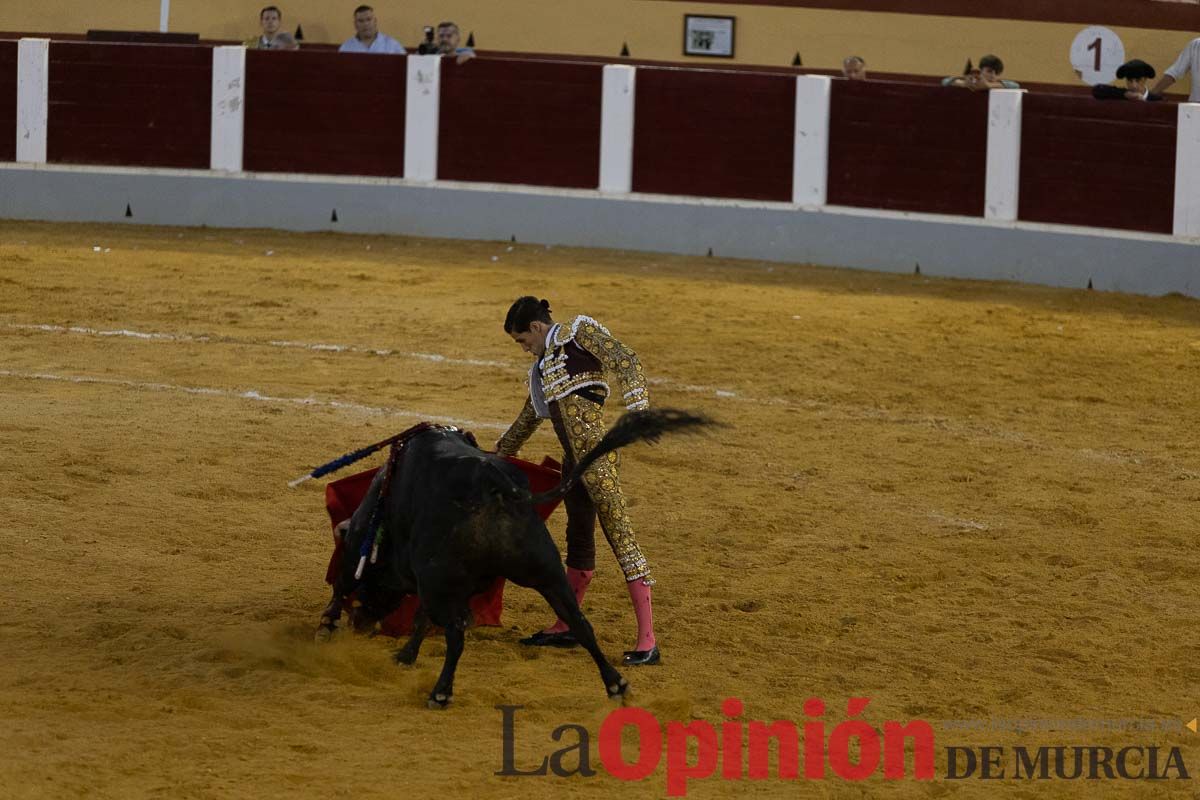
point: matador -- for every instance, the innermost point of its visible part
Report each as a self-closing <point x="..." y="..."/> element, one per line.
<point x="567" y="386"/>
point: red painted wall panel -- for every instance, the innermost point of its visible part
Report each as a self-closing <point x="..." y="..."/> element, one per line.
<point x="714" y="134"/>
<point x="524" y="122"/>
<point x="129" y="104"/>
<point x="907" y="147"/>
<point x="1101" y="163"/>
<point x="8" y="101"/>
<point x="325" y="112"/>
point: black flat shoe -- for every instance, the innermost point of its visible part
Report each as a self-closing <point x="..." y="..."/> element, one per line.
<point x="543" y="639"/>
<point x="642" y="658"/>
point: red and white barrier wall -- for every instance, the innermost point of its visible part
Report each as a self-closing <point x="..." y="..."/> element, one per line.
<point x="809" y="143"/>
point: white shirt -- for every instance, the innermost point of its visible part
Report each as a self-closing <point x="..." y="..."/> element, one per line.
<point x="382" y="44"/>
<point x="536" y="393"/>
<point x="1189" y="60"/>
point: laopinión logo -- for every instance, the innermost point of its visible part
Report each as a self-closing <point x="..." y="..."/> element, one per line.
<point x="741" y="748"/>
<point x="737" y="749"/>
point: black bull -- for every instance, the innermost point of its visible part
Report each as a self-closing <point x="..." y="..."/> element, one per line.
<point x="454" y="519"/>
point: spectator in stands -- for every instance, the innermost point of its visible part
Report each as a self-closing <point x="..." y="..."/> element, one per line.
<point x="285" y="41"/>
<point x="854" y="68"/>
<point x="449" y="41"/>
<point x="983" y="78"/>
<point x="269" y="19"/>
<point x="367" y="38"/>
<point x="1137" y="75"/>
<point x="1188" y="61"/>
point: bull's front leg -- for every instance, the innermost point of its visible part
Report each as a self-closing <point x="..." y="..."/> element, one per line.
<point x="329" y="619"/>
<point x="456" y="627"/>
<point x="408" y="653"/>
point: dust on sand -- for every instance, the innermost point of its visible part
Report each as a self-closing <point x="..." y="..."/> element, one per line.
<point x="961" y="500"/>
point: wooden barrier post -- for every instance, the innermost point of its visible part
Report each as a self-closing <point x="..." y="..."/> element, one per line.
<point x="228" y="108"/>
<point x="810" y="153"/>
<point x="1003" y="184"/>
<point x="1187" y="170"/>
<point x="616" y="128"/>
<point x="422" y="105"/>
<point x="33" y="99"/>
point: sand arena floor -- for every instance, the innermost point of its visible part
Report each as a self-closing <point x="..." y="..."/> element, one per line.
<point x="960" y="500"/>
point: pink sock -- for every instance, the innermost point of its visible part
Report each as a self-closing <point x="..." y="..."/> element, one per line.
<point x="578" y="579"/>
<point x="639" y="593"/>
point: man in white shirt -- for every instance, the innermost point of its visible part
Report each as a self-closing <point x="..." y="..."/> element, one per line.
<point x="1188" y="61"/>
<point x="367" y="38"/>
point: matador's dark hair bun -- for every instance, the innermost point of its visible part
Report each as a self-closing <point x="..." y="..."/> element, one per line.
<point x="525" y="310"/>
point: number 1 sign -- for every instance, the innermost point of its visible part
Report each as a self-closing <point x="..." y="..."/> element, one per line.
<point x="1096" y="53"/>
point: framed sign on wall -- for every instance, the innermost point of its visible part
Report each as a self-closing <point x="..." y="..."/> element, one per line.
<point x="708" y="36"/>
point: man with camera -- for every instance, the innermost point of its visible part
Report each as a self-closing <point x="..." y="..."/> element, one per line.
<point x="448" y="43"/>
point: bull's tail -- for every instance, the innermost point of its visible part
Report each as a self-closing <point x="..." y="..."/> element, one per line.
<point x="634" y="426"/>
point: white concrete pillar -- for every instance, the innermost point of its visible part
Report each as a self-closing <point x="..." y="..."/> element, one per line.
<point x="421" y="117"/>
<point x="616" y="128"/>
<point x="1187" y="169"/>
<point x="228" y="108"/>
<point x="164" y="15"/>
<point x="1002" y="189"/>
<point x="810" y="150"/>
<point x="33" y="99"/>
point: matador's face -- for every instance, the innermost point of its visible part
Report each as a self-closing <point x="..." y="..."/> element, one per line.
<point x="533" y="341"/>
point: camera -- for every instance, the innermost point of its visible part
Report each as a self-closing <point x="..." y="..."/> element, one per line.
<point x="428" y="46"/>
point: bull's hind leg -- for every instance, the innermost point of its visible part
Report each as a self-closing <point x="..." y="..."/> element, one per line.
<point x="408" y="653"/>
<point x="329" y="619"/>
<point x="455" y="620"/>
<point x="562" y="600"/>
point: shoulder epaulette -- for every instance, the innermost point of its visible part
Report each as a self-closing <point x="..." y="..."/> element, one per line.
<point x="566" y="333"/>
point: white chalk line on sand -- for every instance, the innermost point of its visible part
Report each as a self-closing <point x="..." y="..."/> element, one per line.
<point x="321" y="347"/>
<point x="850" y="411"/>
<point x="853" y="412"/>
<point x="250" y="394"/>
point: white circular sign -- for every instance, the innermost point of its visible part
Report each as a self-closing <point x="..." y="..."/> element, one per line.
<point x="1095" y="55"/>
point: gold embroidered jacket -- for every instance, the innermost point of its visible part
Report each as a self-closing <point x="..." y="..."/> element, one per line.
<point x="578" y="355"/>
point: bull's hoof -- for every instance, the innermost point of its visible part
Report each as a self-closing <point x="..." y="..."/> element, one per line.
<point x="437" y="702"/>
<point x="617" y="690"/>
<point x="404" y="656"/>
<point x="324" y="631"/>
